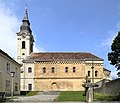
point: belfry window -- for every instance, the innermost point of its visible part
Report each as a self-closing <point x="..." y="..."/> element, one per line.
<point x="53" y="69"/>
<point x="23" y="44"/>
<point x="96" y="73"/>
<point x="88" y="73"/>
<point x="44" y="70"/>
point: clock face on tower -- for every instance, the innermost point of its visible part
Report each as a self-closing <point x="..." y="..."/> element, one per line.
<point x="23" y="35"/>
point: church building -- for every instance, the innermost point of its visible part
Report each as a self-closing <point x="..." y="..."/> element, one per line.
<point x="63" y="71"/>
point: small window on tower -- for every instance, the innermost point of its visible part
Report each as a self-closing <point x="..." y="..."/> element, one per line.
<point x="23" y="44"/>
<point x="29" y="70"/>
<point x="23" y="53"/>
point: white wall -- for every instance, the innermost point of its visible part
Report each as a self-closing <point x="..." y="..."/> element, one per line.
<point x="27" y="78"/>
<point x="5" y="75"/>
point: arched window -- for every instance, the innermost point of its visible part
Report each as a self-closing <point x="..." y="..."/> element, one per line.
<point x="74" y="69"/>
<point x="66" y="69"/>
<point x="23" y="44"/>
<point x="96" y="73"/>
<point x="44" y="70"/>
<point x="88" y="73"/>
<point x="53" y="69"/>
<point x="29" y="70"/>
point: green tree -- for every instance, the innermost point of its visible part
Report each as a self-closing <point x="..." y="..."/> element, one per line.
<point x="114" y="55"/>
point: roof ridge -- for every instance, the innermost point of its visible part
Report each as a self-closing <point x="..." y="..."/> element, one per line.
<point x="62" y="56"/>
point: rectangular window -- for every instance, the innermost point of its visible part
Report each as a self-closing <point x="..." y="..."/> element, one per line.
<point x="73" y="69"/>
<point x="30" y="87"/>
<point x="53" y="69"/>
<point x="8" y="67"/>
<point x="96" y="73"/>
<point x="88" y="73"/>
<point x="7" y="85"/>
<point x="29" y="70"/>
<point x="16" y="87"/>
<point x="44" y="70"/>
<point x="66" y="69"/>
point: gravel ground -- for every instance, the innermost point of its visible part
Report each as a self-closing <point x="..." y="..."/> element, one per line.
<point x="41" y="97"/>
<point x="37" y="98"/>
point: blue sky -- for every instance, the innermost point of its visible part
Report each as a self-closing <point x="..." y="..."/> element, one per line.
<point x="63" y="25"/>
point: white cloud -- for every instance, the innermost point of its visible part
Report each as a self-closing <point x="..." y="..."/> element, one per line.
<point x="35" y="49"/>
<point x="108" y="41"/>
<point x="9" y="25"/>
<point x="111" y="35"/>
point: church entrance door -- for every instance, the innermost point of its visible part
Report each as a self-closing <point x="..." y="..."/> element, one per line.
<point x="54" y="86"/>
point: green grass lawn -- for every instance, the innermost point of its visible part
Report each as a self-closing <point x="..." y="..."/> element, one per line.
<point x="28" y="93"/>
<point x="71" y="96"/>
<point x="78" y="96"/>
<point x="102" y="97"/>
<point x="105" y="97"/>
<point x="32" y="93"/>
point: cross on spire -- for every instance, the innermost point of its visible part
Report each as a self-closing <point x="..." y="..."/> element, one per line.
<point x="26" y="13"/>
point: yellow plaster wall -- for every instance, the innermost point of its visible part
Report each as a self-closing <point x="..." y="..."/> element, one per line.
<point x="60" y="80"/>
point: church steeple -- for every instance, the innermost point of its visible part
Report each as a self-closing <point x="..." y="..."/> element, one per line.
<point x="26" y="13"/>
<point x="25" y="38"/>
<point x="25" y="22"/>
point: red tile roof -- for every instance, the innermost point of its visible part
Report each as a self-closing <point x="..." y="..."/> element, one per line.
<point x="52" y="56"/>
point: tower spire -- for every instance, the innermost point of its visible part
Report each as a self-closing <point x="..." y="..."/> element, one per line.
<point x="26" y="13"/>
<point x="25" y="22"/>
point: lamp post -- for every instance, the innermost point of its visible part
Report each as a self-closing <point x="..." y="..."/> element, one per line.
<point x="12" y="75"/>
<point x="92" y="78"/>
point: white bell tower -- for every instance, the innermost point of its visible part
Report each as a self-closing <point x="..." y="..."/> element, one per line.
<point x="25" y="39"/>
